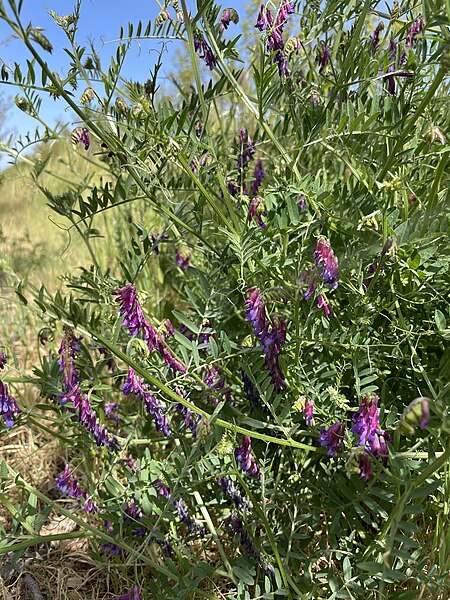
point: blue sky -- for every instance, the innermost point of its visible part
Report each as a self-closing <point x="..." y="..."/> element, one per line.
<point x="100" y="22"/>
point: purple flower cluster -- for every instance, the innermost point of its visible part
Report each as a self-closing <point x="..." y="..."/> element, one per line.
<point x="323" y="56"/>
<point x="203" y="49"/>
<point x="375" y="37"/>
<point x="135" y="322"/>
<point x="416" y="29"/>
<point x="67" y="483"/>
<point x="256" y="211"/>
<point x="183" y="259"/>
<point x="326" y="267"/>
<point x="308" y="411"/>
<point x="244" y="455"/>
<point x="217" y="383"/>
<point x="68" y="349"/>
<point x="81" y="135"/>
<point x="392" y="72"/>
<point x="136" y="386"/>
<point x="366" y="425"/>
<point x="193" y="526"/>
<point x="229" y="15"/>
<point x="240" y="501"/>
<point x="333" y="438"/>
<point x="112" y="411"/>
<point x="274" y="28"/>
<point x="246" y="150"/>
<point x="270" y="332"/>
<point x="131" y="513"/>
<point x="8" y="405"/>
<point x="191" y="419"/>
<point x="238" y="526"/>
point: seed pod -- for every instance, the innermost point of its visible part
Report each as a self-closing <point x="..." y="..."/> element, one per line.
<point x="415" y="415"/>
<point x="40" y="39"/>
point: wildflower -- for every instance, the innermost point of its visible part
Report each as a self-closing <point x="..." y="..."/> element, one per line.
<point x="216" y="382"/>
<point x="302" y="202"/>
<point x="68" y="349"/>
<point x="193" y="526"/>
<point x="3" y="359"/>
<point x="250" y="391"/>
<point x="333" y="438"/>
<point x="183" y="259"/>
<point x="244" y="455"/>
<point x="378" y="445"/>
<point x="359" y="462"/>
<point x="191" y="419"/>
<point x="415" y="414"/>
<point x="229" y="15"/>
<point x="131" y="595"/>
<point x="166" y="546"/>
<point x="366" y="419"/>
<point x="327" y="261"/>
<point x="257" y="210"/>
<point x="271" y="334"/>
<point x="246" y="149"/>
<point x="135" y="322"/>
<point x="258" y="176"/>
<point x="246" y="541"/>
<point x="232" y="187"/>
<point x="274" y="27"/>
<point x="131" y="513"/>
<point x="203" y="49"/>
<point x="323" y="56"/>
<point x="136" y="386"/>
<point x="163" y="490"/>
<point x="321" y="303"/>
<point x="90" y="506"/>
<point x="111" y="411"/>
<point x="67" y="483"/>
<point x="375" y="37"/>
<point x="235" y="495"/>
<point x="416" y="29"/>
<point x="8" y="405"/>
<point x="306" y="406"/>
<point x="81" y="134"/>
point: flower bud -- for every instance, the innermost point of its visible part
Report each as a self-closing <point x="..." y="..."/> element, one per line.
<point x="415" y="414"/>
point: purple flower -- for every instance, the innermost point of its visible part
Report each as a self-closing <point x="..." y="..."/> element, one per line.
<point x="183" y="260"/>
<point x="375" y="37"/>
<point x="246" y="541"/>
<point x="112" y="411"/>
<point x="258" y="176"/>
<point x="308" y="411"/>
<point x="3" y="359"/>
<point x="229" y="15"/>
<point x="216" y="382"/>
<point x="135" y="322"/>
<point x="81" y="134"/>
<point x="8" y="405"/>
<point x="366" y="419"/>
<point x="135" y="385"/>
<point x="203" y="49"/>
<point x="271" y="334"/>
<point x="163" y="489"/>
<point x="321" y="303"/>
<point x="235" y="495"/>
<point x="246" y="149"/>
<point x="193" y="526"/>
<point x="378" y="445"/>
<point x="255" y="311"/>
<point x="67" y="484"/>
<point x="302" y="202"/>
<point x="323" y="56"/>
<point x="257" y="210"/>
<point x="131" y="513"/>
<point x="191" y="419"/>
<point x="275" y="42"/>
<point x="244" y="455"/>
<point x="333" y="438"/>
<point x="131" y="595"/>
<point x="327" y="262"/>
<point x="416" y="29"/>
<point x="365" y="467"/>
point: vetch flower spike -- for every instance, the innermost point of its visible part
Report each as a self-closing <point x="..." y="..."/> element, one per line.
<point x="244" y="455"/>
<point x="333" y="438"/>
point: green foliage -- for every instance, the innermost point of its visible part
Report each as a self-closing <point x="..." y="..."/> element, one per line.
<point x="354" y="152"/>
